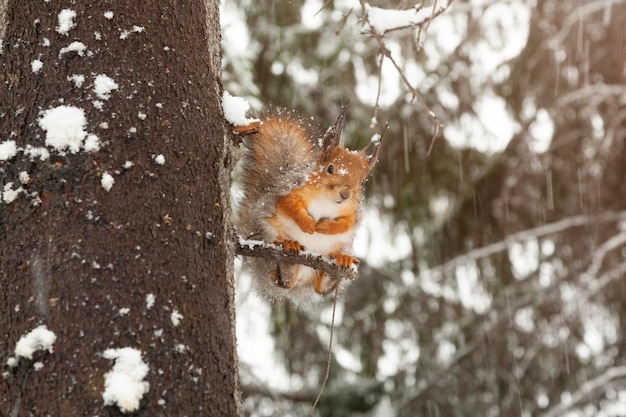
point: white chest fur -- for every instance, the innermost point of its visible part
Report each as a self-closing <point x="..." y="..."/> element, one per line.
<point x="321" y="243"/>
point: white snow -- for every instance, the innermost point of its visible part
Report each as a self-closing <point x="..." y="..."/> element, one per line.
<point x="107" y="181"/>
<point x="75" y="46"/>
<point x="36" y="152"/>
<point x="124" y="385"/>
<point x="36" y="65"/>
<point x="66" y="21"/>
<point x="235" y="109"/>
<point x="150" y="299"/>
<point x="65" y="127"/>
<point x="108" y="15"/>
<point x="103" y="85"/>
<point x="128" y="164"/>
<point x="77" y="79"/>
<point x="40" y="338"/>
<point x="9" y="194"/>
<point x="92" y="143"/>
<point x="141" y="116"/>
<point x="159" y="159"/>
<point x="7" y="150"/>
<point x="24" y="177"/>
<point x="123" y="311"/>
<point x="176" y="317"/>
<point x="383" y="20"/>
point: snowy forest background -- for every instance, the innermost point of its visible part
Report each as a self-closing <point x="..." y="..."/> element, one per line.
<point x="492" y="281"/>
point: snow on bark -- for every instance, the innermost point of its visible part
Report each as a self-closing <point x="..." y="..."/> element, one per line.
<point x="65" y="128"/>
<point x="39" y="339"/>
<point x="235" y="109"/>
<point x="124" y="385"/>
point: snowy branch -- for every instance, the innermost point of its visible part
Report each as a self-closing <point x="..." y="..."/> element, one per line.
<point x="379" y="22"/>
<point x="260" y="249"/>
<point x="587" y="389"/>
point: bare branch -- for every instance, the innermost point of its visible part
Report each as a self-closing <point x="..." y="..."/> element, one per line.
<point x="260" y="249"/>
<point x="587" y="389"/>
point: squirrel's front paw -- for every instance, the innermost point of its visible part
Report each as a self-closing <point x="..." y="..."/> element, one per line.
<point x="344" y="260"/>
<point x="290" y="246"/>
<point x="307" y="224"/>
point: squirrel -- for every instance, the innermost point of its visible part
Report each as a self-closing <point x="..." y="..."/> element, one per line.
<point x="300" y="191"/>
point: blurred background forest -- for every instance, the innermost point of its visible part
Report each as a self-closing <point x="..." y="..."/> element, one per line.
<point x="492" y="276"/>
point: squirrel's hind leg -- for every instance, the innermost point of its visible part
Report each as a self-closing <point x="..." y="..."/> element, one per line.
<point x="324" y="284"/>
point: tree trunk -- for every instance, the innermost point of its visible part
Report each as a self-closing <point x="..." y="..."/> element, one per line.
<point x="121" y="237"/>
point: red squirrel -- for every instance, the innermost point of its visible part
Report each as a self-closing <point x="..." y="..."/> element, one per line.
<point x="300" y="191"/>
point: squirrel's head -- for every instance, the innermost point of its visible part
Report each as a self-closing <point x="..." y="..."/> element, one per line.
<point x="342" y="171"/>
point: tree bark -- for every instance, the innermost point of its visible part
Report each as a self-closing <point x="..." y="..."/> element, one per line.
<point x="147" y="264"/>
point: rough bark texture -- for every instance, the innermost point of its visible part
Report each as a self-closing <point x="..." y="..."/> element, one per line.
<point x="81" y="257"/>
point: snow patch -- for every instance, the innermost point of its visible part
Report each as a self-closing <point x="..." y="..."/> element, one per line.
<point x="108" y="15"/>
<point x="382" y="20"/>
<point x="36" y="65"/>
<point x="75" y="46"/>
<point x="92" y="143"/>
<point x="24" y="177"/>
<point x="36" y="152"/>
<point x="150" y="299"/>
<point x="159" y="159"/>
<point x="124" y="385"/>
<point x="103" y="85"/>
<point x="65" y="128"/>
<point x="9" y="195"/>
<point x="40" y="338"/>
<point x="107" y="181"/>
<point x="7" y="150"/>
<point x="66" y="21"/>
<point x="77" y="79"/>
<point x="235" y="109"/>
<point x="176" y="317"/>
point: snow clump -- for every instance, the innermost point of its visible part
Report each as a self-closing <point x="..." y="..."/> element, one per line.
<point x="66" y="21"/>
<point x="235" y="109"/>
<point x="75" y="46"/>
<point x="7" y="150"/>
<point x="9" y="195"/>
<point x="40" y="338"/>
<point x="103" y="85"/>
<point x="107" y="181"/>
<point x="36" y="65"/>
<point x="124" y="385"/>
<point x="65" y="128"/>
<point x="176" y="317"/>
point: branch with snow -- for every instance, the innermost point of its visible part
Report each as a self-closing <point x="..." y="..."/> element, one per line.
<point x="260" y="249"/>
<point x="379" y="22"/>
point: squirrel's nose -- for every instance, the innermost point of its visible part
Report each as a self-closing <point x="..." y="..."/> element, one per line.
<point x="345" y="194"/>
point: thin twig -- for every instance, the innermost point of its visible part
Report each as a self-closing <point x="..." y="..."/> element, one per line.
<point x="330" y="350"/>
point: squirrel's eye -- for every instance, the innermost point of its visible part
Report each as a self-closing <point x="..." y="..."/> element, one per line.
<point x="330" y="169"/>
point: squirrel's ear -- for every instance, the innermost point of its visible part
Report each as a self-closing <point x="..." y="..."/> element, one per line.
<point x="376" y="141"/>
<point x="332" y="137"/>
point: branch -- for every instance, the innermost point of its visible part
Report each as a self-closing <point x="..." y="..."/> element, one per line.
<point x="260" y="249"/>
<point x="587" y="389"/>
